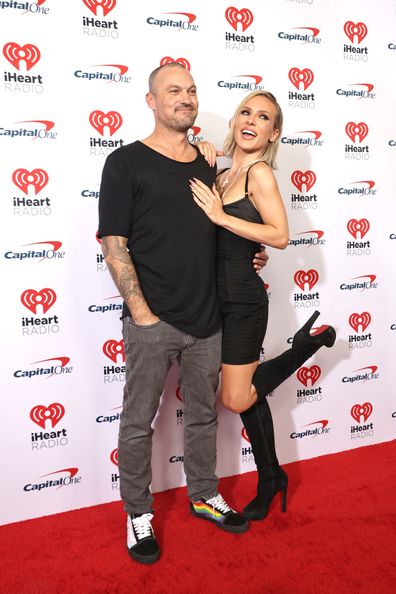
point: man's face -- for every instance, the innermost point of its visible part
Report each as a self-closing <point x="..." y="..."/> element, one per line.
<point x="174" y="99"/>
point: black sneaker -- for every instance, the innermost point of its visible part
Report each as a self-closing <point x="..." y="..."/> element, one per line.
<point x="217" y="511"/>
<point x="141" y="542"/>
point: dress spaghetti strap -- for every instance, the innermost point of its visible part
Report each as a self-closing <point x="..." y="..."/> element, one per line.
<point x="247" y="178"/>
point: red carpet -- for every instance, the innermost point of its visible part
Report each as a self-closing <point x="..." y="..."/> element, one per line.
<point x="338" y="535"/>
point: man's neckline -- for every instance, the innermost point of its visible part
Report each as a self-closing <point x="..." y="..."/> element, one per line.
<point x="170" y="158"/>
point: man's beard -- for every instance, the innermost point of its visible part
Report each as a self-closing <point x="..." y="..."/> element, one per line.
<point x="183" y="122"/>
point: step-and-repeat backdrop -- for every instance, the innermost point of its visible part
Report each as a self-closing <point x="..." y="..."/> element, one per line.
<point x="73" y="83"/>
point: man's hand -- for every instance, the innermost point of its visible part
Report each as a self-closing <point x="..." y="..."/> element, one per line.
<point x="260" y="260"/>
<point x="149" y="320"/>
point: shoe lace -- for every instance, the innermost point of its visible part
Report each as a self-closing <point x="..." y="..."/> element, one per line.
<point x="142" y="525"/>
<point x="218" y="503"/>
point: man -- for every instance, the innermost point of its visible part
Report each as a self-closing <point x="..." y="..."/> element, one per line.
<point x="160" y="249"/>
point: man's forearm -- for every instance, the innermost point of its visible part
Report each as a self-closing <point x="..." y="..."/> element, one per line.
<point x="124" y="276"/>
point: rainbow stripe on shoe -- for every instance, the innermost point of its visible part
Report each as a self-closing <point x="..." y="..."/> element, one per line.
<point x="204" y="510"/>
<point x="217" y="511"/>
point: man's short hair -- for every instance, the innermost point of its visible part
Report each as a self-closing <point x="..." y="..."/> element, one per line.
<point x="155" y="72"/>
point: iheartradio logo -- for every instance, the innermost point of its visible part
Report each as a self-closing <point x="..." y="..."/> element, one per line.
<point x="105" y="5"/>
<point x="309" y="375"/>
<point x="303" y="178"/>
<point x="361" y="411"/>
<point x="356" y="228"/>
<point x="299" y="77"/>
<point x="195" y="130"/>
<point x="179" y="395"/>
<point x="114" y="456"/>
<point x="32" y="299"/>
<point x="359" y="322"/>
<point x="306" y="279"/>
<point x="358" y="131"/>
<point x="112" y="349"/>
<point x="183" y="61"/>
<point x="358" y="31"/>
<point x="23" y="179"/>
<point x="15" y="54"/>
<point x="111" y="120"/>
<point x="235" y="17"/>
<point x="245" y="435"/>
<point x="51" y="414"/>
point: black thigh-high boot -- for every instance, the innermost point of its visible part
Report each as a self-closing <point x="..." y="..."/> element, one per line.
<point x="271" y="477"/>
<point x="270" y="374"/>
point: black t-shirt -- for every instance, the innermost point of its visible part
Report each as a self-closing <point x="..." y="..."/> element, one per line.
<point x="146" y="197"/>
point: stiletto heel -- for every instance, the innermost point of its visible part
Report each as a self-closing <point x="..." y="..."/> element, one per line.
<point x="323" y="336"/>
<point x="309" y="323"/>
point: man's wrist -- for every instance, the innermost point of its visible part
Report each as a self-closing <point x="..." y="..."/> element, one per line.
<point x="145" y="320"/>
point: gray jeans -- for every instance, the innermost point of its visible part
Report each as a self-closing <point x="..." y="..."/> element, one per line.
<point x="150" y="352"/>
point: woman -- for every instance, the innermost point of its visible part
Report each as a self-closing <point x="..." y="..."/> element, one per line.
<point x="248" y="208"/>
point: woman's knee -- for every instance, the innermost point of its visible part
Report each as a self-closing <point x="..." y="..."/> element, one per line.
<point x="236" y="403"/>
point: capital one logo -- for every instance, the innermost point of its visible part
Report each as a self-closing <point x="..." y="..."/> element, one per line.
<point x="358" y="30"/>
<point x="318" y="232"/>
<point x="23" y="179"/>
<point x="322" y="422"/>
<point x="359" y="411"/>
<point x="52" y="413"/>
<point x="112" y="349"/>
<point x="32" y="299"/>
<point x="359" y="322"/>
<point x="257" y="79"/>
<point x="356" y="227"/>
<point x="106" y="5"/>
<point x="15" y="54"/>
<point x="114" y="456"/>
<point x="42" y="133"/>
<point x="358" y="131"/>
<point x="306" y="279"/>
<point x="301" y="77"/>
<point x="183" y="61"/>
<point x="303" y="178"/>
<point x="309" y="375"/>
<point x="235" y="17"/>
<point x="111" y="120"/>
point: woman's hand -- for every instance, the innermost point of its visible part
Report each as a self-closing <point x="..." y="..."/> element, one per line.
<point x="208" y="200"/>
<point x="208" y="151"/>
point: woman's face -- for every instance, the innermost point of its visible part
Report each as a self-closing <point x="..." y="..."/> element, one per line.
<point x="255" y="124"/>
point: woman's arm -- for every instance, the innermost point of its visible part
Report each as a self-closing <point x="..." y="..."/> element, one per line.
<point x="265" y="195"/>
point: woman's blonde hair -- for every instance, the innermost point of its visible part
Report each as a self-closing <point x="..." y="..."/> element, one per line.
<point x="271" y="149"/>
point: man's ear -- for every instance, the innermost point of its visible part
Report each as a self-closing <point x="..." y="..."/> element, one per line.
<point x="150" y="100"/>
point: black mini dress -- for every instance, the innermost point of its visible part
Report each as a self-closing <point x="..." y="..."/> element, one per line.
<point x="243" y="298"/>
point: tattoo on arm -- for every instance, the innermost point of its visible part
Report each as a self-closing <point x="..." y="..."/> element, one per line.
<point x="123" y="273"/>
